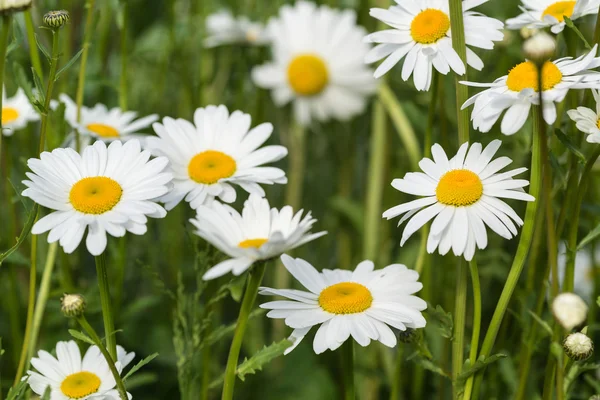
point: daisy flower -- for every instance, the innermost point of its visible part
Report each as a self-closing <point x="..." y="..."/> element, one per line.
<point x="259" y="233"/>
<point x="317" y="63"/>
<point x="220" y="150"/>
<point x="518" y="90"/>
<point x="17" y="112"/>
<point x="9" y="6"/>
<point x="539" y="14"/>
<point x="421" y="33"/>
<point x="464" y="195"/>
<point x="224" y="28"/>
<point x="588" y="121"/>
<point x="108" y="190"/>
<point x="70" y="376"/>
<point x="100" y="123"/>
<point x="360" y="303"/>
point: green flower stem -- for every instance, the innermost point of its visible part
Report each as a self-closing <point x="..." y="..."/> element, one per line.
<point x="476" y="324"/>
<point x="107" y="315"/>
<point x="49" y="88"/>
<point x="254" y="280"/>
<point x="124" y="57"/>
<point x="460" y="312"/>
<point x="33" y="49"/>
<point x="347" y="359"/>
<point x="6" y="23"/>
<point x="462" y="91"/>
<point x="111" y="364"/>
<point x="87" y="36"/>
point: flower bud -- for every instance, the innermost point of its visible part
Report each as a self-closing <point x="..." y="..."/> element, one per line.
<point x="72" y="305"/>
<point x="539" y="48"/>
<point x="569" y="310"/>
<point x="578" y="346"/>
<point x="11" y="6"/>
<point x="56" y="19"/>
<point x="526" y="32"/>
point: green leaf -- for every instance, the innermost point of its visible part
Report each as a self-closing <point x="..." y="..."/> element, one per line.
<point x="566" y="140"/>
<point x="542" y="323"/>
<point x="68" y="64"/>
<point x="443" y="319"/>
<point x="17" y="391"/>
<point x="42" y="48"/>
<point x="81" y="336"/>
<point x="40" y="94"/>
<point x="261" y="358"/>
<point x="430" y="365"/>
<point x="480" y="364"/>
<point x="571" y="25"/>
<point x="224" y="330"/>
<point x="24" y="233"/>
<point x="140" y="365"/>
<point x="589" y="238"/>
<point x="236" y="288"/>
<point x="47" y="393"/>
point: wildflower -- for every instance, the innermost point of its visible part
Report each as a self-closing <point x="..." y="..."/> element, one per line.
<point x="578" y="346"/>
<point x="108" y="190"/>
<point x="259" y="233"/>
<point x="541" y="14"/>
<point x="587" y="120"/>
<point x="421" y="33"/>
<point x="220" y="150"/>
<point x="11" y="6"/>
<point x="462" y="196"/>
<point x="360" y="303"/>
<point x="223" y="28"/>
<point x="17" y="112"/>
<point x="72" y="305"/>
<point x="317" y="65"/>
<point x="569" y="310"/>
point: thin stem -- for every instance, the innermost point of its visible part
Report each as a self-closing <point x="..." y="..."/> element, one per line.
<point x="476" y="324"/>
<point x="90" y="5"/>
<point x="111" y="364"/>
<point x="49" y="88"/>
<point x="6" y="23"/>
<point x="254" y="280"/>
<point x="107" y="316"/>
<point x="347" y="358"/>
<point x="33" y="49"/>
<point x="462" y="91"/>
<point x="460" y="311"/>
<point x="399" y="373"/>
<point x="124" y="57"/>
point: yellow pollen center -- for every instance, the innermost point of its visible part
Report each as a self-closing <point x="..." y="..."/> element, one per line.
<point x="256" y="243"/>
<point x="211" y="166"/>
<point x="429" y="26"/>
<point x="559" y="10"/>
<point x="80" y="384"/>
<point x="103" y="130"/>
<point x="9" y="115"/>
<point x="95" y="195"/>
<point x="308" y="74"/>
<point x="345" y="298"/>
<point x="598" y="124"/>
<point x="459" y="188"/>
<point x="525" y="76"/>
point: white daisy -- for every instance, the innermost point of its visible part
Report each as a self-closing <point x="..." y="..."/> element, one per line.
<point x="588" y="121"/>
<point x="518" y="90"/>
<point x="464" y="195"/>
<point x="223" y="28"/>
<point x="584" y="271"/>
<point x="219" y="151"/>
<point x="541" y="14"/>
<point x="421" y="33"/>
<point x="108" y="190"/>
<point x="360" y="303"/>
<point x="71" y="377"/>
<point x="14" y="5"/>
<point x="100" y="123"/>
<point x="17" y="112"/>
<point x="317" y="63"/>
<point x="259" y="233"/>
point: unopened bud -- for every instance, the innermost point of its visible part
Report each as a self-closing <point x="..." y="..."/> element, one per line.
<point x="11" y="6"/>
<point x="72" y="305"/>
<point x="569" y="310"/>
<point x="578" y="346"/>
<point x="540" y="47"/>
<point x="56" y="19"/>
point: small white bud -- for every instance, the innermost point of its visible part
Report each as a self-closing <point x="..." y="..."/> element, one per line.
<point x="540" y="47"/>
<point x="569" y="310"/>
<point x="578" y="346"/>
<point x="72" y="305"/>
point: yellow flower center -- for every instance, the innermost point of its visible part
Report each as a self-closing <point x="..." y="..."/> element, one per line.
<point x="459" y="188"/>
<point x="256" y="243"/>
<point x="9" y="115"/>
<point x="103" y="130"/>
<point x="560" y="9"/>
<point x="308" y="74"/>
<point x="95" y="195"/>
<point x="345" y="298"/>
<point x="429" y="26"/>
<point x="525" y="76"/>
<point x="598" y="124"/>
<point x="211" y="166"/>
<point x="80" y="384"/>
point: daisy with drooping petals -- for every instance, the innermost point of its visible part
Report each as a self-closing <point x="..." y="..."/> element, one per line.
<point x="70" y="376"/>
<point x="317" y="63"/>
<point x="360" y="303"/>
<point x="259" y="233"/>
<point x="464" y="195"/>
<point x="101" y="123"/>
<point x="219" y="151"/>
<point x="421" y="33"/>
<point x="17" y="112"/>
<point x="539" y="14"/>
<point x="108" y="190"/>
<point x="224" y="28"/>
<point x="518" y="90"/>
<point x="588" y="121"/>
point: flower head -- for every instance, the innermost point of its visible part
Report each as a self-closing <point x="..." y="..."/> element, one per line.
<point x="223" y="28"/>
<point x="259" y="233"/>
<point x="421" y="33"/>
<point x="578" y="346"/>
<point x="10" y="6"/>
<point x="317" y="63"/>
<point x="540" y="47"/>
<point x="551" y="13"/>
<point x="363" y="303"/>
<point x="517" y="91"/>
<point x="17" y="112"/>
<point x="587" y="120"/>
<point x="462" y="196"/>
<point x="108" y="190"/>
<point x="70" y="376"/>
<point x="72" y="305"/>
<point x="569" y="310"/>
<point x="220" y="150"/>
